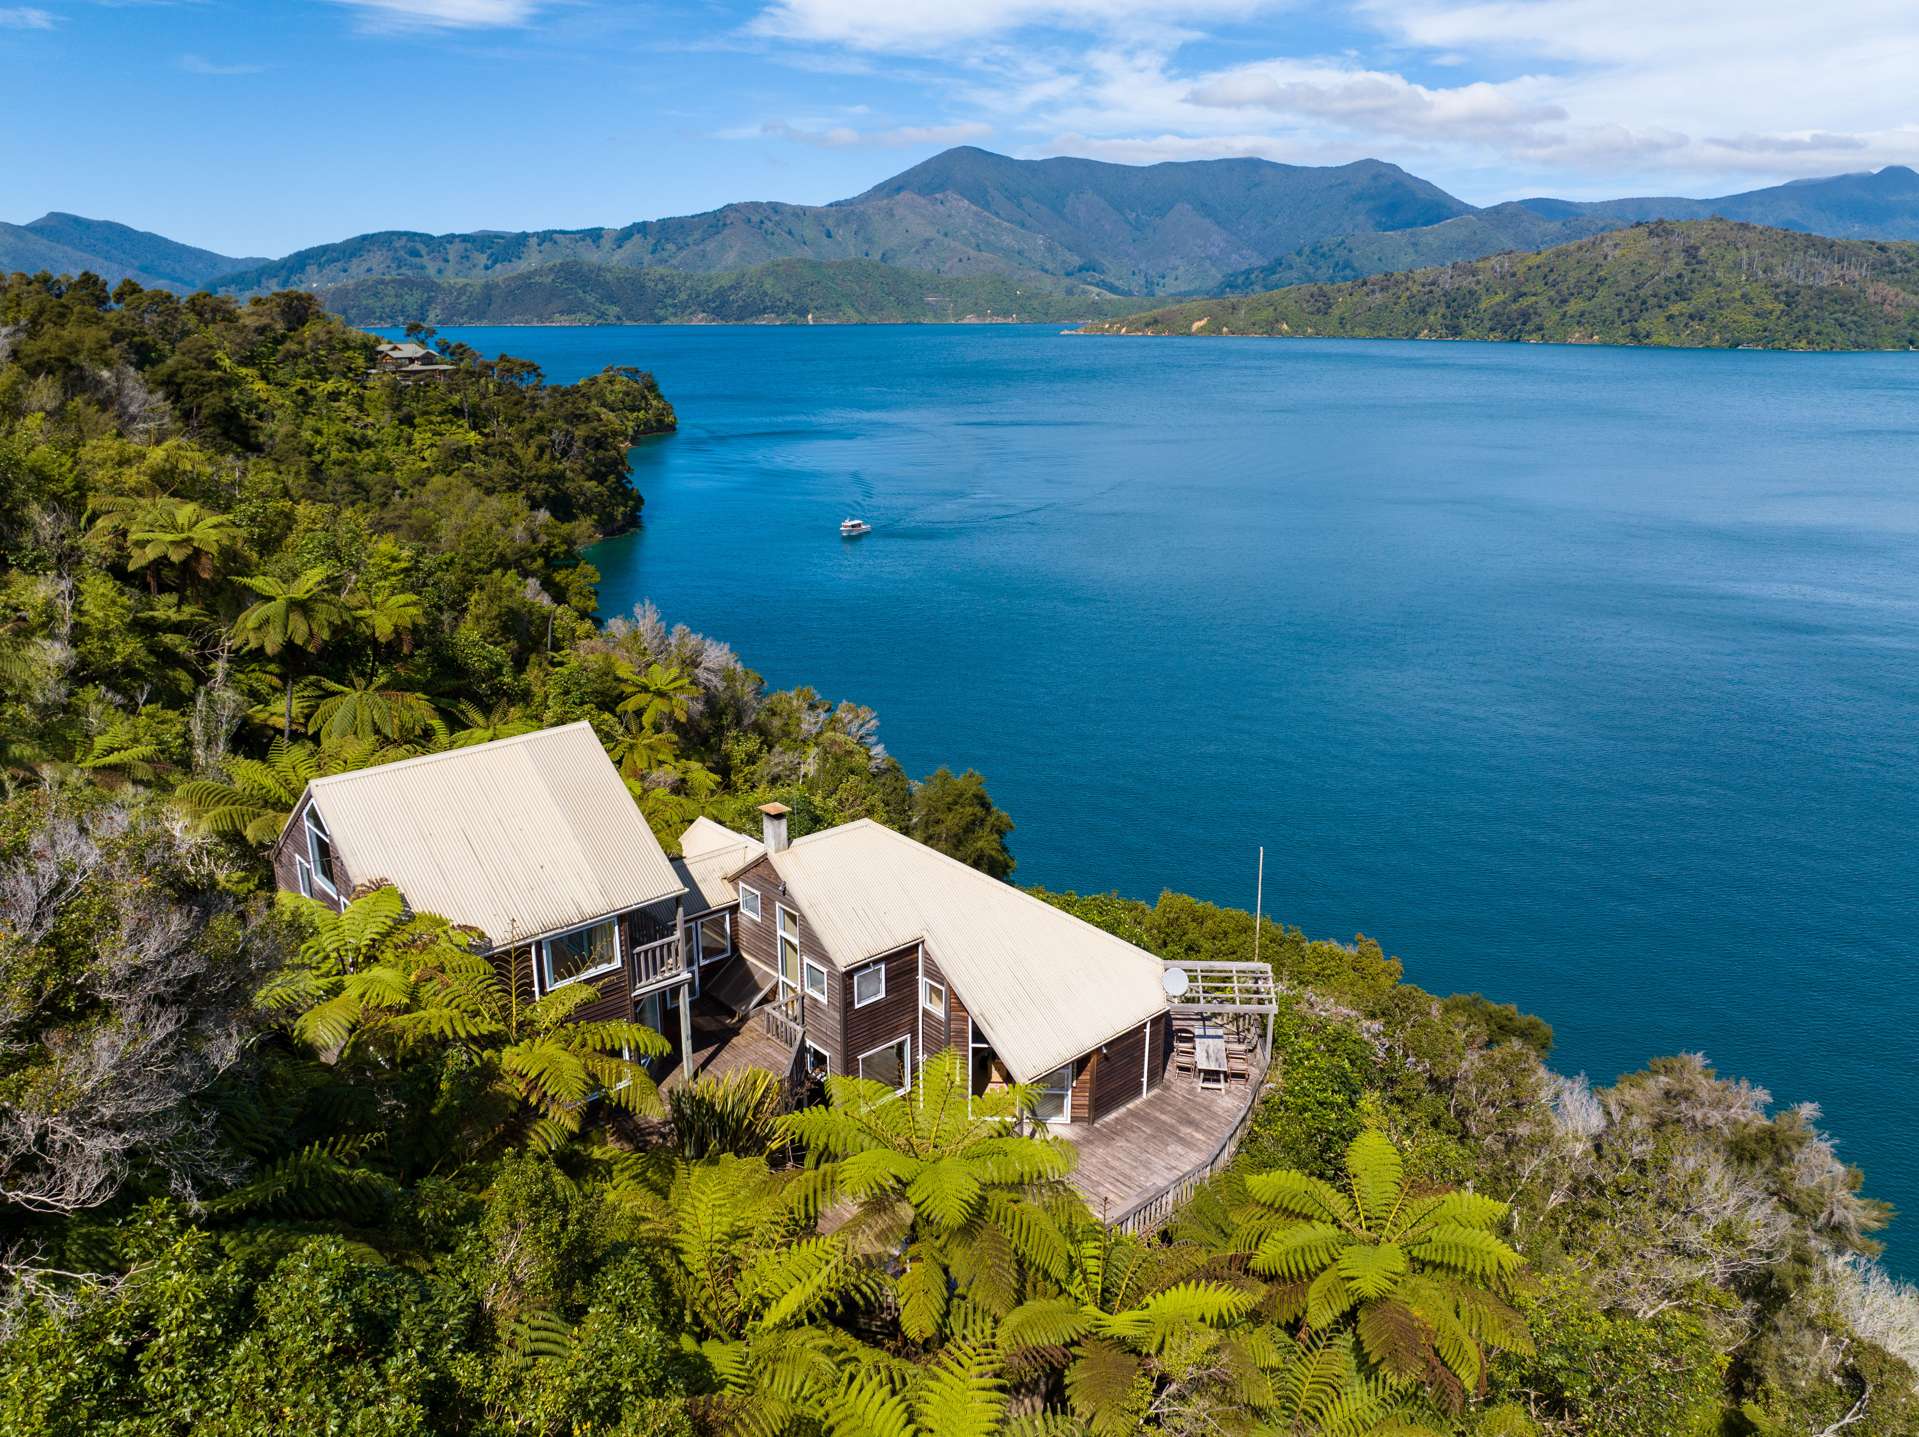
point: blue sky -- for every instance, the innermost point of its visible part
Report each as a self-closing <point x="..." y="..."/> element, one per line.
<point x="259" y="126"/>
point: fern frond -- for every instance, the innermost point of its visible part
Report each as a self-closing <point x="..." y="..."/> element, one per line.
<point x="923" y="1294"/>
<point x="1044" y="1322"/>
<point x="1300" y="1251"/>
<point x="1103" y="1387"/>
<point x="1300" y="1195"/>
<point x="961" y="1395"/>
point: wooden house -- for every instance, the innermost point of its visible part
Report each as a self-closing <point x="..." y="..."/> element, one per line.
<point x="408" y="361"/>
<point x="531" y="843"/>
<point x="854" y="950"/>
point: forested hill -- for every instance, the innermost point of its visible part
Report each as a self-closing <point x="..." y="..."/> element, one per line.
<point x="1880" y="205"/>
<point x="1132" y="229"/>
<point x="70" y="244"/>
<point x="789" y="291"/>
<point x="1700" y="283"/>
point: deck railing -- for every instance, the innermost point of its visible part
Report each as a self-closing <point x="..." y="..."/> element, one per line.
<point x="1151" y="1212"/>
<point x="656" y="961"/>
<point x="782" y="1018"/>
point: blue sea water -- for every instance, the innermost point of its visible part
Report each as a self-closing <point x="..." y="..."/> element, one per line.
<point x="1586" y="678"/>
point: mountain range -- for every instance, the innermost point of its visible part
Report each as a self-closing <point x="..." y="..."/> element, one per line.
<point x="1067" y="232"/>
<point x="67" y="244"/>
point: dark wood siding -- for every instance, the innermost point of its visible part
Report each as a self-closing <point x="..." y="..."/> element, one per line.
<point x="285" y="857"/>
<point x="889" y="1019"/>
<point x="935" y="1026"/>
<point x="1159" y="1044"/>
<point x="1120" y="1069"/>
<point x="760" y="941"/>
<point x="1086" y="1069"/>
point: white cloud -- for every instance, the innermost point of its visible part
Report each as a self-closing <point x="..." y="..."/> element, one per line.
<point x="24" y="17"/>
<point x="1374" y="102"/>
<point x="200" y="65"/>
<point x="842" y="137"/>
<point x="923" y="25"/>
<point x="1581" y="97"/>
<point x="444" y="14"/>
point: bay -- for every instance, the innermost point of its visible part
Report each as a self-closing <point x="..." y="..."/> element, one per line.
<point x="1586" y="678"/>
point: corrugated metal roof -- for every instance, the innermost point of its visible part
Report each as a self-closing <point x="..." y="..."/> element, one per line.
<point x="519" y="837"/>
<point x="1044" y="985"/>
<point x="710" y="856"/>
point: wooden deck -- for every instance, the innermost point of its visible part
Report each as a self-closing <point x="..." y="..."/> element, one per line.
<point x="722" y="1045"/>
<point x="1154" y="1146"/>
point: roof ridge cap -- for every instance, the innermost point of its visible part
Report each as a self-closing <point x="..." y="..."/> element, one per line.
<point x="421" y="759"/>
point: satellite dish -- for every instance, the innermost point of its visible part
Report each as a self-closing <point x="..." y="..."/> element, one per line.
<point x="1174" y="981"/>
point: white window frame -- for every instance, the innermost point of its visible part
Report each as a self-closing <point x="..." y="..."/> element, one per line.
<point x="905" y="1040"/>
<point x="927" y="985"/>
<point x="752" y="896"/>
<point x="725" y="920"/>
<point x="303" y="876"/>
<point x="316" y="829"/>
<point x="807" y="969"/>
<point x="826" y="1058"/>
<point x="547" y="980"/>
<point x="859" y="1002"/>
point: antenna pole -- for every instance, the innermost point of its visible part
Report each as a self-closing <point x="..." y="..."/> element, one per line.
<point x="1259" y="900"/>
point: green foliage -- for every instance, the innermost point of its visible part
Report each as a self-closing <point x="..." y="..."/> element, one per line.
<point x="1704" y="283"/>
<point x="1421" y="1277"/>
<point x="413" y="1198"/>
<point x="376" y="985"/>
<point x="736" y="1113"/>
<point x="788" y="290"/>
<point x="954" y="814"/>
<point x="1614" y="1373"/>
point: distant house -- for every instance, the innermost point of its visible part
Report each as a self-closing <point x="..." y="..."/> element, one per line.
<point x="409" y="362"/>
<point x="850" y="951"/>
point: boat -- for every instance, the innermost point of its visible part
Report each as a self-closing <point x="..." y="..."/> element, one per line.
<point x="850" y="528"/>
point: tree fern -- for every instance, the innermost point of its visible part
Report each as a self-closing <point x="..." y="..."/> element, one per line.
<point x="1418" y="1275"/>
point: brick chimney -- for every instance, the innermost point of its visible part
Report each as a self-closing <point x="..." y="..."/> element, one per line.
<point x="773" y="825"/>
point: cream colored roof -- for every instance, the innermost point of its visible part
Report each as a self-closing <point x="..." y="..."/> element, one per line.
<point x="710" y="856"/>
<point x="518" y="838"/>
<point x="1044" y="985"/>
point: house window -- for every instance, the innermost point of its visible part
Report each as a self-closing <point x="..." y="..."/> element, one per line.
<point x="303" y="874"/>
<point x="815" y="981"/>
<point x="320" y="852"/>
<point x="582" y="953"/>
<point x="933" y="996"/>
<point x="789" y="926"/>
<point x="818" y="1065"/>
<point x="869" y="984"/>
<point x="889" y="1065"/>
<point x="715" y="937"/>
<point x="750" y="903"/>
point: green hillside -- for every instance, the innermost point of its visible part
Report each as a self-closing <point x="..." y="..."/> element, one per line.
<point x="1463" y="237"/>
<point x="1882" y="205"/>
<point x="1133" y="229"/>
<point x="1698" y="283"/>
<point x="791" y="291"/>
<point x="71" y="244"/>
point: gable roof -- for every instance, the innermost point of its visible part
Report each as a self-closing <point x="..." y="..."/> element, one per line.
<point x="518" y="838"/>
<point x="1044" y="985"/>
<point x="711" y="856"/>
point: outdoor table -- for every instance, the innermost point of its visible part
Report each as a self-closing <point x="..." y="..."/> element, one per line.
<point x="1209" y="1058"/>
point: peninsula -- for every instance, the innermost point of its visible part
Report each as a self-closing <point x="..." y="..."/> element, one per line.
<point x="1702" y="284"/>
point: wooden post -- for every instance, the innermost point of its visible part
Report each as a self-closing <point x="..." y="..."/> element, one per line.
<point x="686" y="992"/>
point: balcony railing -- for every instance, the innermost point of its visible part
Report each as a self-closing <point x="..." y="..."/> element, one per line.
<point x="657" y="963"/>
<point x="784" y="1019"/>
